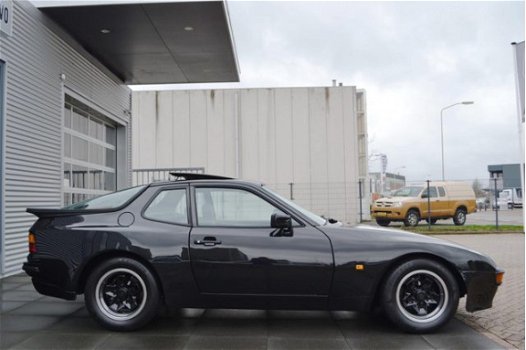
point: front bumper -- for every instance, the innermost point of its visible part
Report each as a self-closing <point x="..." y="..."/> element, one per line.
<point x="50" y="278"/>
<point x="481" y="287"/>
<point x="388" y="214"/>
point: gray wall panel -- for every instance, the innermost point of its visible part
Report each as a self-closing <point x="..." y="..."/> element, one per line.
<point x="36" y="54"/>
<point x="307" y="136"/>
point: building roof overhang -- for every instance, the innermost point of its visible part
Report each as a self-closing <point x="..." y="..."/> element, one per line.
<point x="155" y="43"/>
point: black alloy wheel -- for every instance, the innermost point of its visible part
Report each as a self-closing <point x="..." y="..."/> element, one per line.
<point x="122" y="294"/>
<point x="420" y="296"/>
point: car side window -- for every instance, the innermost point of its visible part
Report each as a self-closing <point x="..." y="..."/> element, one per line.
<point x="169" y="206"/>
<point x="432" y="192"/>
<point x="232" y="207"/>
<point x="441" y="191"/>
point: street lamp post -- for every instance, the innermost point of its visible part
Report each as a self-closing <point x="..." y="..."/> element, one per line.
<point x="442" y="128"/>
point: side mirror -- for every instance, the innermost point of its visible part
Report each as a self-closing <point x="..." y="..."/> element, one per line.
<point x="282" y="224"/>
<point x="424" y="195"/>
<point x="280" y="220"/>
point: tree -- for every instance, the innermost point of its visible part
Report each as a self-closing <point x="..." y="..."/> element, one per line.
<point x="477" y="188"/>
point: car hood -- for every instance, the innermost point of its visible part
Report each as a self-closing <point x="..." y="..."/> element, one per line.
<point x="391" y="242"/>
<point x="396" y="199"/>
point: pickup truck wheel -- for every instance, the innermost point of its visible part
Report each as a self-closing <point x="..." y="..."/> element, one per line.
<point x="460" y="217"/>
<point x="412" y="218"/>
<point x="383" y="222"/>
<point x="122" y="294"/>
<point x="420" y="296"/>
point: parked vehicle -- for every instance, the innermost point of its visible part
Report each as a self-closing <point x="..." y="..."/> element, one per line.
<point x="212" y="242"/>
<point x="410" y="204"/>
<point x="511" y="197"/>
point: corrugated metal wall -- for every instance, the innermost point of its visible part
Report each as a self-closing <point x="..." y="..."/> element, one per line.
<point x="36" y="55"/>
<point x="311" y="137"/>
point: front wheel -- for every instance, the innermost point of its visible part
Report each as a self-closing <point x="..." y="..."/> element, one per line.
<point x="412" y="218"/>
<point x="122" y="294"/>
<point x="420" y="296"/>
<point x="460" y="217"/>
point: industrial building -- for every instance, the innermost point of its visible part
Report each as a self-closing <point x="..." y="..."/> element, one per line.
<point x="310" y="144"/>
<point x="507" y="175"/>
<point x="65" y="106"/>
<point x="385" y="183"/>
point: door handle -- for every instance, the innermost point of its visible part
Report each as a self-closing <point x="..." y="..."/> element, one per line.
<point x="207" y="241"/>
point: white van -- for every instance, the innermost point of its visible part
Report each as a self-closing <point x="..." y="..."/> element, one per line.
<point x="511" y="197"/>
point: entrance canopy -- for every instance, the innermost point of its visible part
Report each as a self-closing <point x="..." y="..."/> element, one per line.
<point x="155" y="43"/>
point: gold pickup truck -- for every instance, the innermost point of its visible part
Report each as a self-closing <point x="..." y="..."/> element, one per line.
<point x="410" y="204"/>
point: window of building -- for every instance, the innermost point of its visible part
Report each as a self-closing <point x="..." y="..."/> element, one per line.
<point x="89" y="152"/>
<point x="169" y="206"/>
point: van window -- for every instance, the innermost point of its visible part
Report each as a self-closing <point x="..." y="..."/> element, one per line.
<point x="432" y="192"/>
<point x="441" y="192"/>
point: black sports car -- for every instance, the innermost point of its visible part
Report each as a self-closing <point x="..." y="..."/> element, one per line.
<point x="212" y="242"/>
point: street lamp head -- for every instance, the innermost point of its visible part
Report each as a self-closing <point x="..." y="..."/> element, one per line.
<point x="467" y="102"/>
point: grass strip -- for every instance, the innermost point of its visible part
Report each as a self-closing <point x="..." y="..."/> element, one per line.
<point x="467" y="229"/>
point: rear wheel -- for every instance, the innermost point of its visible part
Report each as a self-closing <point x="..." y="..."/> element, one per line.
<point x="420" y="296"/>
<point x="412" y="218"/>
<point x="383" y="222"/>
<point x="460" y="217"/>
<point x="122" y="294"/>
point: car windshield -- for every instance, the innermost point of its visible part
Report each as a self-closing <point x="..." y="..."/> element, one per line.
<point x="107" y="201"/>
<point x="318" y="219"/>
<point x="409" y="191"/>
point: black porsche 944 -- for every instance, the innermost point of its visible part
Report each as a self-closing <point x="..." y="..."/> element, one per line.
<point x="211" y="242"/>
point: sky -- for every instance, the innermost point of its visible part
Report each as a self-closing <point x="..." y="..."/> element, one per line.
<point x="412" y="58"/>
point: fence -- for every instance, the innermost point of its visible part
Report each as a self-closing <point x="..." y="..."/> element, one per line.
<point x="347" y="202"/>
<point x="350" y="202"/>
<point x="146" y="176"/>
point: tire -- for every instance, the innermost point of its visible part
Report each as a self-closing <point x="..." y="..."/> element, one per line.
<point x="510" y="205"/>
<point x="122" y="294"/>
<point x="420" y="296"/>
<point x="383" y="222"/>
<point x="460" y="217"/>
<point x="412" y="218"/>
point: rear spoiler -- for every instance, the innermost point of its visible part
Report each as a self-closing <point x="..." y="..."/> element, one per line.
<point x="48" y="213"/>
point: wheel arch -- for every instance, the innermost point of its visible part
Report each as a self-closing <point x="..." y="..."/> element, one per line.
<point x="463" y="207"/>
<point x="413" y="256"/>
<point x="106" y="255"/>
<point x="417" y="209"/>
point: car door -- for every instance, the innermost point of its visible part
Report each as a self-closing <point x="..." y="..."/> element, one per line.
<point x="443" y="205"/>
<point x="433" y="200"/>
<point x="233" y="249"/>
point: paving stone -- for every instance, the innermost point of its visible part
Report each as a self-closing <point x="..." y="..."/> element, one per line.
<point x="242" y="343"/>
<point x="59" y="341"/>
<point x="506" y="318"/>
<point x="134" y="341"/>
<point x="307" y="344"/>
